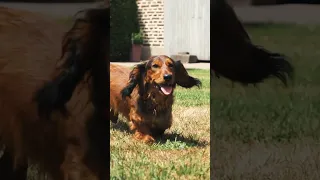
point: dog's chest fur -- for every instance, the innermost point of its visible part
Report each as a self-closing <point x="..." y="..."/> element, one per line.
<point x="157" y="112"/>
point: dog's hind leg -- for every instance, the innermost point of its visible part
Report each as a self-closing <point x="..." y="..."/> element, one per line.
<point x="7" y="169"/>
<point x="114" y="116"/>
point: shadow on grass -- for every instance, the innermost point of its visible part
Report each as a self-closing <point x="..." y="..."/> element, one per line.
<point x="175" y="137"/>
<point x="266" y="25"/>
<point x="172" y="137"/>
<point x="121" y="126"/>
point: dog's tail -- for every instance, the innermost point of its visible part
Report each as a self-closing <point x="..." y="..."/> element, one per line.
<point x="236" y="57"/>
<point x="265" y="64"/>
<point x="270" y="64"/>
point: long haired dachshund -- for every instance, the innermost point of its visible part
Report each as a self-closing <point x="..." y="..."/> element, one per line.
<point x="235" y="57"/>
<point x="146" y="99"/>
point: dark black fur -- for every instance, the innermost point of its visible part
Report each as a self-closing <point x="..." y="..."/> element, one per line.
<point x="91" y="57"/>
<point x="235" y="57"/>
<point x="98" y="51"/>
<point x="80" y="59"/>
<point x="55" y="94"/>
<point x="7" y="170"/>
<point x="188" y="82"/>
<point x="135" y="78"/>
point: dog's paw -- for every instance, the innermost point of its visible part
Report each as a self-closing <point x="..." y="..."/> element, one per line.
<point x="144" y="137"/>
<point x="148" y="139"/>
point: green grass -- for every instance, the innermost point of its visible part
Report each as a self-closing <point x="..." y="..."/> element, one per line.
<point x="183" y="153"/>
<point x="272" y="131"/>
<point x="193" y="97"/>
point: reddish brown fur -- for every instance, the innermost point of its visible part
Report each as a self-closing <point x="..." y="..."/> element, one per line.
<point x="28" y="56"/>
<point x="155" y="116"/>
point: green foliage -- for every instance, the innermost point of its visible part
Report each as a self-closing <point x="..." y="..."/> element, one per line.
<point x="123" y="22"/>
<point x="137" y="38"/>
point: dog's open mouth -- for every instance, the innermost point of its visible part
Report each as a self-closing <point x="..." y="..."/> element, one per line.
<point x="165" y="88"/>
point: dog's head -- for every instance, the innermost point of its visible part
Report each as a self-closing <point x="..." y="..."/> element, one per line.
<point x="160" y="74"/>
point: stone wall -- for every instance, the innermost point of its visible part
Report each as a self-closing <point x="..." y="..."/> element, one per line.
<point x="151" y="20"/>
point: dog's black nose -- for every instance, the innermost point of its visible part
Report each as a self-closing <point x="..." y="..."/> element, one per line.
<point x="167" y="77"/>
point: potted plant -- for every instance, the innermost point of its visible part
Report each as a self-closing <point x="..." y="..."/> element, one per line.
<point x="137" y="41"/>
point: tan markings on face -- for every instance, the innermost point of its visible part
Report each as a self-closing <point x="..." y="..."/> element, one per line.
<point x="154" y="73"/>
<point x="169" y="63"/>
<point x="160" y="66"/>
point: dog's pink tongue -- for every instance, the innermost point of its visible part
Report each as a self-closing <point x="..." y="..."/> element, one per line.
<point x="166" y="90"/>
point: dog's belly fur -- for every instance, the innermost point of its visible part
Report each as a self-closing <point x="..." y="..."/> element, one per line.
<point x="161" y="122"/>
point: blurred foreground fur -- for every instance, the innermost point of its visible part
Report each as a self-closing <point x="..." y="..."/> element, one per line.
<point x="53" y="113"/>
<point x="235" y="57"/>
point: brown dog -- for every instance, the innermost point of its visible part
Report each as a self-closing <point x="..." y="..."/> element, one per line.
<point x="54" y="115"/>
<point x="147" y="99"/>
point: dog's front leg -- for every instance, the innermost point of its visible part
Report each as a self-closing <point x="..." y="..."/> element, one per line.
<point x="140" y="127"/>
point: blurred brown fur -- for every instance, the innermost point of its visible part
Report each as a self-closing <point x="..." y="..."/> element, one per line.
<point x="63" y="143"/>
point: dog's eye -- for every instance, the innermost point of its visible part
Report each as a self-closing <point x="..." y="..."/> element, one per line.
<point x="170" y="65"/>
<point x="155" y="66"/>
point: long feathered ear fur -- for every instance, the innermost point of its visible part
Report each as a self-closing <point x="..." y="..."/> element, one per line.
<point x="136" y="77"/>
<point x="182" y="77"/>
<point x="84" y="51"/>
<point x="54" y="94"/>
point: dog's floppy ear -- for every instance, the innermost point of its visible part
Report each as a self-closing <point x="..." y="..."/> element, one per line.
<point x="136" y="77"/>
<point x="53" y="95"/>
<point x="182" y="77"/>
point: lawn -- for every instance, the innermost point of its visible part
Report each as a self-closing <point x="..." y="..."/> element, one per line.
<point x="271" y="132"/>
<point x="183" y="153"/>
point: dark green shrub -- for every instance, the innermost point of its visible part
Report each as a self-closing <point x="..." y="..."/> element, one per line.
<point x="124" y="22"/>
<point x="137" y="38"/>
